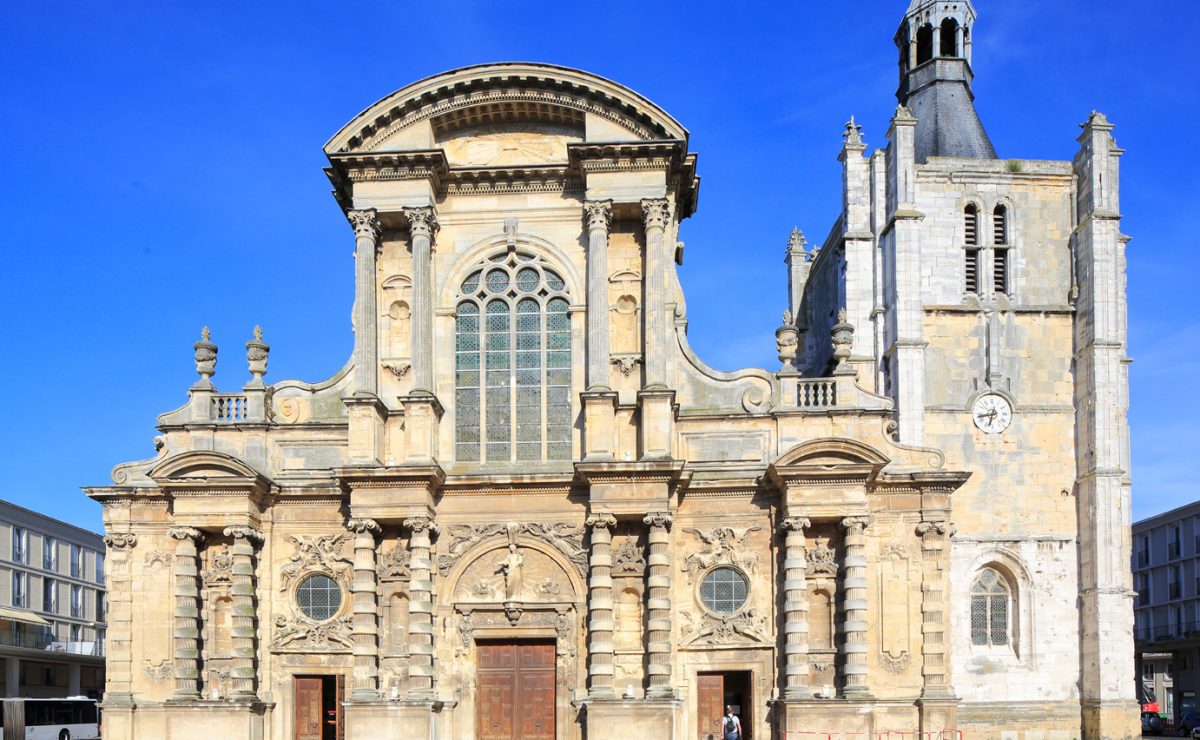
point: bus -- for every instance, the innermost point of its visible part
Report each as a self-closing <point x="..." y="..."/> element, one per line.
<point x="73" y="718"/>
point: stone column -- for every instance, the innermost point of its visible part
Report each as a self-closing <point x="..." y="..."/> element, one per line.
<point x="118" y="676"/>
<point x="935" y="668"/>
<point x="600" y="608"/>
<point x="365" y="628"/>
<point x="366" y="344"/>
<point x="795" y="609"/>
<point x="658" y="607"/>
<point x="422" y="226"/>
<point x="656" y="214"/>
<point x="599" y="215"/>
<point x="856" y="608"/>
<point x="186" y="631"/>
<point x="959" y="35"/>
<point x="420" y="607"/>
<point x="244" y="632"/>
<point x="937" y="41"/>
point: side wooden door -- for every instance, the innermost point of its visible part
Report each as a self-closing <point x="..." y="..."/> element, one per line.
<point x="308" y="709"/>
<point x="496" y="691"/>
<point x="710" y="690"/>
<point x="535" y="706"/>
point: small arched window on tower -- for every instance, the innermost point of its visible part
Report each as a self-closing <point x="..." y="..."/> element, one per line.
<point x="991" y="610"/>
<point x="949" y="40"/>
<point x="971" y="250"/>
<point x="1000" y="250"/>
<point x="924" y="43"/>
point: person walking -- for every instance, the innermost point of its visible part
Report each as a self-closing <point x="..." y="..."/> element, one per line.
<point x="731" y="726"/>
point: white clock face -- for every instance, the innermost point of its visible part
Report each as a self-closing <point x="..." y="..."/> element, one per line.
<point x="992" y="413"/>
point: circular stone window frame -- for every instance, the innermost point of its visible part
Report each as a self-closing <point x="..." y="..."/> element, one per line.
<point x="343" y="590"/>
<point x="704" y="576"/>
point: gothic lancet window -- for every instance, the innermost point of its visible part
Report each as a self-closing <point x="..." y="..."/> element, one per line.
<point x="513" y="363"/>
<point x="991" y="610"/>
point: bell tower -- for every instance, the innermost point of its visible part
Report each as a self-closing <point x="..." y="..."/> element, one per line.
<point x="934" y="41"/>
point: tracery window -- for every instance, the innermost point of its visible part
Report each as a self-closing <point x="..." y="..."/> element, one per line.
<point x="723" y="590"/>
<point x="513" y="363"/>
<point x="991" y="610"/>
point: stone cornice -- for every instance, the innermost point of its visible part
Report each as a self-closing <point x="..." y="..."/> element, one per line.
<point x="668" y="155"/>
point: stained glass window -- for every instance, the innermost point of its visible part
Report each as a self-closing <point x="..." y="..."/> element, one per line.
<point x="990" y="612"/>
<point x="723" y="590"/>
<point x="319" y="597"/>
<point x="513" y="363"/>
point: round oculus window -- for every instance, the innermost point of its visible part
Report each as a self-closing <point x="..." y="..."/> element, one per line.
<point x="723" y="590"/>
<point x="319" y="597"/>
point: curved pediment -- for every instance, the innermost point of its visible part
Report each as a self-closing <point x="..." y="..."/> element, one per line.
<point x="204" y="465"/>
<point x="501" y="114"/>
<point x="832" y="452"/>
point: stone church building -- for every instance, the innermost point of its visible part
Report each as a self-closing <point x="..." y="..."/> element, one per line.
<point x="524" y="508"/>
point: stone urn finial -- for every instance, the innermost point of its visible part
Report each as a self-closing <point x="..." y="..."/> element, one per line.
<point x="206" y="358"/>
<point x="787" y="341"/>
<point x="842" y="336"/>
<point x="256" y="354"/>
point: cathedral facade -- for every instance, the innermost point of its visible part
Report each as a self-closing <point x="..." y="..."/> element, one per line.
<point x="525" y="508"/>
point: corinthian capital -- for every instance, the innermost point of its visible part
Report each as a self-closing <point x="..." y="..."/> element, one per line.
<point x="795" y="524"/>
<point x="421" y="524"/>
<point x="242" y="532"/>
<point x="659" y="519"/>
<point x="364" y="526"/>
<point x="854" y="524"/>
<point x="185" y="533"/>
<point x="365" y="223"/>
<point x="601" y="521"/>
<point x="421" y="221"/>
<point x="598" y="214"/>
<point x="120" y="541"/>
<point x="656" y="213"/>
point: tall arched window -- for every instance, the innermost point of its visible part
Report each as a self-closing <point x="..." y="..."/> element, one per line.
<point x="513" y="363"/>
<point x="949" y="40"/>
<point x="991" y="610"/>
<point x="924" y="43"/>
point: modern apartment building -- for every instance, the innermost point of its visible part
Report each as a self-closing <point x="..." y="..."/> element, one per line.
<point x="52" y="606"/>
<point x="1166" y="574"/>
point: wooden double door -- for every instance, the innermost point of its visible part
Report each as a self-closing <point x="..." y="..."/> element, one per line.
<point x="515" y="685"/>
<point x="318" y="707"/>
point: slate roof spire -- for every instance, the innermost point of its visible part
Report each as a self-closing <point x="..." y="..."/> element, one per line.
<point x="934" y="40"/>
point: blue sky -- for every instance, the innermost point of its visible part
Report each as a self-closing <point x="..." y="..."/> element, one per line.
<point x="163" y="171"/>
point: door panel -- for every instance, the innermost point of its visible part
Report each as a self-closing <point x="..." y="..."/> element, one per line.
<point x="515" y="685"/>
<point x="710" y="690"/>
<point x="308" y="708"/>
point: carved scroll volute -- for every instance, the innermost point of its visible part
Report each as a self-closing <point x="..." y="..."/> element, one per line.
<point x="120" y="541"/>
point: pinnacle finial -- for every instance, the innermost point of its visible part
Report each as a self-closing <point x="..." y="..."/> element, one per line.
<point x="257" y="333"/>
<point x="796" y="240"/>
<point x="257" y="352"/>
<point x="852" y="134"/>
<point x="206" y="358"/>
<point x="205" y="335"/>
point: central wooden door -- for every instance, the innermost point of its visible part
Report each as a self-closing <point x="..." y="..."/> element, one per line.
<point x="515" y="684"/>
<point x="317" y="713"/>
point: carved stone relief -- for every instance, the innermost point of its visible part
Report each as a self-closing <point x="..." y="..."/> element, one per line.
<point x="724" y="629"/>
<point x="518" y="574"/>
<point x="894" y="609"/>
<point x="220" y="567"/>
<point x="323" y="554"/>
<point x="721" y="545"/>
<point x="157" y="559"/>
<point x="298" y="633"/>
<point x="567" y="538"/>
<point x="318" y="554"/>
<point x="158" y="672"/>
<point x="821" y="558"/>
<point x="394" y="564"/>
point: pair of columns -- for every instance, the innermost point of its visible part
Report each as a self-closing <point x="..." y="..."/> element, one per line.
<point x="423" y="227"/>
<point x="656" y="215"/>
<point x="365" y="623"/>
<point x="795" y="608"/>
<point x="186" y="626"/>
<point x="658" y="607"/>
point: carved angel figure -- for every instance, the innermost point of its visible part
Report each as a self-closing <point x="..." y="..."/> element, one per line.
<point x="723" y="545"/>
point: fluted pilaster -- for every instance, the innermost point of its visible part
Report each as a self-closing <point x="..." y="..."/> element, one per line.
<point x="422" y="228"/>
<point x="186" y="627"/>
<point x="118" y="676"/>
<point x="658" y="606"/>
<point x="364" y="685"/>
<point x="366" y="345"/>
<point x="856" y="608"/>
<point x="600" y="607"/>
<point x="599" y="215"/>
<point x="935" y="668"/>
<point x="795" y="609"/>
<point x="420" y="607"/>
<point x="244" y="632"/>
<point x="656" y="215"/>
